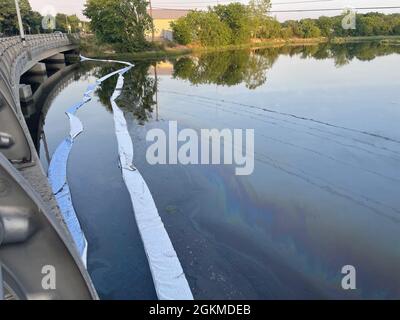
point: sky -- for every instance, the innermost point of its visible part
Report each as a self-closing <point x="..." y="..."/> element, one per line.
<point x="76" y="6"/>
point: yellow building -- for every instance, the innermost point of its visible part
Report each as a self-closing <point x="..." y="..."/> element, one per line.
<point x="162" y="19"/>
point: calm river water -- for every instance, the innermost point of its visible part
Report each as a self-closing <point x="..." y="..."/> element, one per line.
<point x="324" y="192"/>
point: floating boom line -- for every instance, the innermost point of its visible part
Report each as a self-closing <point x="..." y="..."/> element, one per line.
<point x="57" y="172"/>
<point x="168" y="276"/>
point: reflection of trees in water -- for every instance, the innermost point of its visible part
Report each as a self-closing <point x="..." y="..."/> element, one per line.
<point x="362" y="51"/>
<point x="343" y="54"/>
<point x="251" y="66"/>
<point x="137" y="96"/>
<point x="86" y="70"/>
<point x="225" y="68"/>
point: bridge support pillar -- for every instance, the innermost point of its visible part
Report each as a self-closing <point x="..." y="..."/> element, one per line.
<point x="38" y="68"/>
<point x="55" y="62"/>
<point x="72" y="57"/>
<point x="26" y="98"/>
<point x="36" y="75"/>
<point x="25" y="93"/>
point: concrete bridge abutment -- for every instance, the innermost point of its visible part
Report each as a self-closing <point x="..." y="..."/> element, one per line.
<point x="56" y="62"/>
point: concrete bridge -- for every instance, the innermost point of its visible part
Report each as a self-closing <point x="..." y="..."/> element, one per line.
<point x="35" y="244"/>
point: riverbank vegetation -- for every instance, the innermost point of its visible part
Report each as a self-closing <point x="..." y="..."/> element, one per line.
<point x="122" y="26"/>
<point x="32" y="20"/>
<point x="121" y="23"/>
<point x="90" y="46"/>
<point x="236" y="23"/>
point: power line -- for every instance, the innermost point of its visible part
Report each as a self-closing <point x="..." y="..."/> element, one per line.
<point x="176" y="9"/>
<point x="335" y="9"/>
<point x="298" y="2"/>
<point x="200" y="2"/>
<point x="306" y="10"/>
<point x="233" y="1"/>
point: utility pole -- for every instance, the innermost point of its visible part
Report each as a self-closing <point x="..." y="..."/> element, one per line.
<point x="156" y="89"/>
<point x="21" y="27"/>
<point x="152" y="21"/>
<point x="67" y="24"/>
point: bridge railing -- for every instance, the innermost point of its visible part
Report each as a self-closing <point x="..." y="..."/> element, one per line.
<point x="14" y="54"/>
<point x="16" y="58"/>
<point x="33" y="235"/>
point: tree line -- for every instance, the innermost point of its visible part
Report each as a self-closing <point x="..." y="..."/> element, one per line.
<point x="124" y="24"/>
<point x="32" y="20"/>
<point x="236" y="23"/>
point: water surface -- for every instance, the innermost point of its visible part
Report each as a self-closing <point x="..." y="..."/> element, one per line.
<point x="324" y="192"/>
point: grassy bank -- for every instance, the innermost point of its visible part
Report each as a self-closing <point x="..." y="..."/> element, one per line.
<point x="262" y="44"/>
<point x="91" y="48"/>
<point x="386" y="39"/>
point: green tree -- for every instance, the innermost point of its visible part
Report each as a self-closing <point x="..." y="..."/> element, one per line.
<point x="183" y="32"/>
<point x="394" y="21"/>
<point x="34" y="22"/>
<point x="325" y="25"/>
<point x="123" y="23"/>
<point x="8" y="17"/>
<point x="271" y="28"/>
<point x="238" y="18"/>
<point x="75" y="23"/>
<point x="61" y="22"/>
<point x="309" y="28"/>
<point x="211" y="31"/>
<point x="396" y="27"/>
<point x="294" y="27"/>
<point x="252" y="21"/>
<point x="203" y="28"/>
<point x="259" y="15"/>
<point x="286" y="32"/>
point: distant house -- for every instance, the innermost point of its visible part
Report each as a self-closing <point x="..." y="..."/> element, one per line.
<point x="162" y="19"/>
